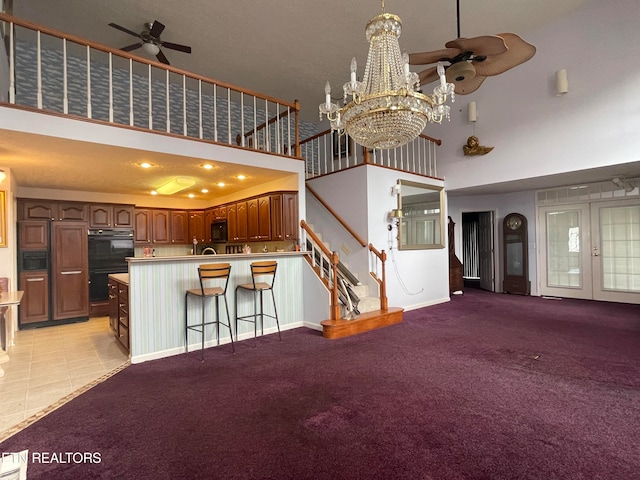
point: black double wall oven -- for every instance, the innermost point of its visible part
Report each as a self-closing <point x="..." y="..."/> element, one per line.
<point x="108" y="250"/>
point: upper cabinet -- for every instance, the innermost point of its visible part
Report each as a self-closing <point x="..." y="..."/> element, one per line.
<point x="110" y="216"/>
<point x="51" y="210"/>
<point x="196" y="226"/>
<point x="179" y="226"/>
<point x="284" y="216"/>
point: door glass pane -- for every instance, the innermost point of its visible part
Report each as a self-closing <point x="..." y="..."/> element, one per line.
<point x="620" y="245"/>
<point x="564" y="263"/>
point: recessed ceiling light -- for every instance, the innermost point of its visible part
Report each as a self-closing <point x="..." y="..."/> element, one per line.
<point x="153" y="192"/>
<point x="205" y="190"/>
<point x="191" y="195"/>
<point x="145" y="165"/>
<point x="221" y="184"/>
<point x="241" y="177"/>
<point x="207" y="166"/>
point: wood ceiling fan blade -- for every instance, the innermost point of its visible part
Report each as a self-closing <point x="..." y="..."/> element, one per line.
<point x="125" y="30"/>
<point x="518" y="52"/>
<point x="162" y="59"/>
<point x="176" y="46"/>
<point x="156" y="29"/>
<point x="425" y="58"/>
<point x="484" y="45"/>
<point x="128" y="48"/>
<point x="428" y="75"/>
<point x="468" y="86"/>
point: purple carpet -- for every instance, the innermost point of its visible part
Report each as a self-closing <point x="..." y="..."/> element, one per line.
<point x="487" y="386"/>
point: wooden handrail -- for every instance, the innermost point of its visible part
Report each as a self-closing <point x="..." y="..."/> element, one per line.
<point x="335" y="259"/>
<point x="98" y="46"/>
<point x="337" y="217"/>
<point x="382" y="256"/>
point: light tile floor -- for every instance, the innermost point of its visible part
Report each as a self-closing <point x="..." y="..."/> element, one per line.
<point x="48" y="364"/>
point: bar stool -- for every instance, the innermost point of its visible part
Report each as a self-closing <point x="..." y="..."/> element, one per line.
<point x="217" y="273"/>
<point x="260" y="273"/>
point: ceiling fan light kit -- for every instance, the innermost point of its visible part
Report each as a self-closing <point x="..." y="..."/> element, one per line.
<point x="472" y="112"/>
<point x="386" y="110"/>
<point x="562" y="82"/>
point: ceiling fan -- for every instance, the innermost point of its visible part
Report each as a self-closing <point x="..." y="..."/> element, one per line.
<point x="472" y="60"/>
<point x="151" y="42"/>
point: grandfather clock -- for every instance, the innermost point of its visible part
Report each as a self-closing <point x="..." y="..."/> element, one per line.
<point x="514" y="255"/>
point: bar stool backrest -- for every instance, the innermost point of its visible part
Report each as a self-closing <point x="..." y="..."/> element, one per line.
<point x="264" y="269"/>
<point x="212" y="271"/>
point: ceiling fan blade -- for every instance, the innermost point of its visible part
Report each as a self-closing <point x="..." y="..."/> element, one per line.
<point x="175" y="46"/>
<point x="484" y="45"/>
<point x="518" y="52"/>
<point x="125" y="30"/>
<point x="162" y="59"/>
<point x="156" y="29"/>
<point x="428" y="75"/>
<point x="466" y="87"/>
<point x="128" y="48"/>
<point x="425" y="58"/>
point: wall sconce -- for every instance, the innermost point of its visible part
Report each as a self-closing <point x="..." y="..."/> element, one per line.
<point x="396" y="214"/>
<point x="623" y="184"/>
<point x="395" y="190"/>
<point x="2" y="176"/>
<point x="562" y="82"/>
<point x="175" y="185"/>
<point x="472" y="112"/>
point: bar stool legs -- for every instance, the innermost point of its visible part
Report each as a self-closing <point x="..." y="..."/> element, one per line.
<point x="219" y="271"/>
<point x="259" y="271"/>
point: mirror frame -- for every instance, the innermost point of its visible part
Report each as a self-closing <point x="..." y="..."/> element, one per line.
<point x="429" y="188"/>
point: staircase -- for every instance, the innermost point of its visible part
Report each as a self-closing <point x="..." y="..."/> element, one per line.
<point x="353" y="309"/>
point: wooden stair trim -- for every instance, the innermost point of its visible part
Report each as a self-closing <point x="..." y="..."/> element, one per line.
<point x="365" y="322"/>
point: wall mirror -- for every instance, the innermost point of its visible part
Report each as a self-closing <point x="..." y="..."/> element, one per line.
<point x="422" y="223"/>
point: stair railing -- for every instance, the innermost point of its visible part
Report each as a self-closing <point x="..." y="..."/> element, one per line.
<point x="325" y="264"/>
<point x="379" y="275"/>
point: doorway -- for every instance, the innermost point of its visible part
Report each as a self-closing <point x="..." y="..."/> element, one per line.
<point x="591" y="250"/>
<point x="477" y="250"/>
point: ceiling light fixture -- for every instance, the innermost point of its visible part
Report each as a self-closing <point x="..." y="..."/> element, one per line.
<point x="241" y="177"/>
<point x="175" y="185"/>
<point x="205" y="190"/>
<point x="151" y="48"/>
<point x="2" y="176"/>
<point x="221" y="184"/>
<point x="386" y="109"/>
<point x="145" y="165"/>
<point x="207" y="166"/>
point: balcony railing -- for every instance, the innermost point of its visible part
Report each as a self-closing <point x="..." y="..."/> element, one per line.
<point x="60" y="73"/>
<point x="328" y="152"/>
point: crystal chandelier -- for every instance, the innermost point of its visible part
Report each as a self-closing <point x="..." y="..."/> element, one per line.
<point x="386" y="110"/>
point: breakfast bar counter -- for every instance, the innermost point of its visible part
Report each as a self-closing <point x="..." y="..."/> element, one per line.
<point x="157" y="287"/>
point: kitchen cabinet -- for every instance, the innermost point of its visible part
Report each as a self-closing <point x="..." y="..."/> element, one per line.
<point x="70" y="270"/>
<point x="34" y="235"/>
<point x="151" y="226"/>
<point x="179" y="226"/>
<point x="197" y="227"/>
<point x="259" y="219"/>
<point x="284" y="216"/>
<point x="237" y="222"/>
<point x="119" y="310"/>
<point x="52" y="210"/>
<point x="35" y="301"/>
<point x="110" y="216"/>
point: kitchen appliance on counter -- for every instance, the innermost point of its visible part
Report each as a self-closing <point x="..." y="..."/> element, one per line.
<point x="108" y="250"/>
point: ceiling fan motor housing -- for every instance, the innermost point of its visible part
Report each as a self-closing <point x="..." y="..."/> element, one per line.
<point x="460" y="71"/>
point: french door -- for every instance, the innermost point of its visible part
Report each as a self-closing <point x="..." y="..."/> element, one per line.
<point x="591" y="250"/>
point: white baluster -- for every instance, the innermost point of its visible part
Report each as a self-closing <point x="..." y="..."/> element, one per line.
<point x="131" y="119"/>
<point x="39" y="73"/>
<point x="65" y="97"/>
<point x="110" y="87"/>
<point x="89" y="113"/>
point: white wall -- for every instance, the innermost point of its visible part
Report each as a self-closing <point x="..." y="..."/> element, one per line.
<point x="362" y="197"/>
<point x="535" y="132"/>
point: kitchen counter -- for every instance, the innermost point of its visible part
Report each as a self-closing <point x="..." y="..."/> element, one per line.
<point x="120" y="277"/>
<point x="157" y="287"/>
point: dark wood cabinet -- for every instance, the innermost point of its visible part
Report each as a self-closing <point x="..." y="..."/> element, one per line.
<point x="119" y="310"/>
<point x="259" y="219"/>
<point x="284" y="216"/>
<point x="34" y="234"/>
<point x="110" y="216"/>
<point x="70" y="274"/>
<point x="38" y="210"/>
<point x="237" y="222"/>
<point x="142" y="225"/>
<point x="160" y="227"/>
<point x="151" y="226"/>
<point x="232" y="223"/>
<point x="196" y="226"/>
<point x="179" y="226"/>
<point x="72" y="211"/>
<point x="35" y="301"/>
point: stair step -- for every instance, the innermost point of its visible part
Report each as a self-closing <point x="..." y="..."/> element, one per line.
<point x="365" y="322"/>
<point x="368" y="304"/>
<point x="361" y="290"/>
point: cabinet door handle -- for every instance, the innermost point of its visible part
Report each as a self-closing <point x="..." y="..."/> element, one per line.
<point x="74" y="272"/>
<point x="41" y="279"/>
